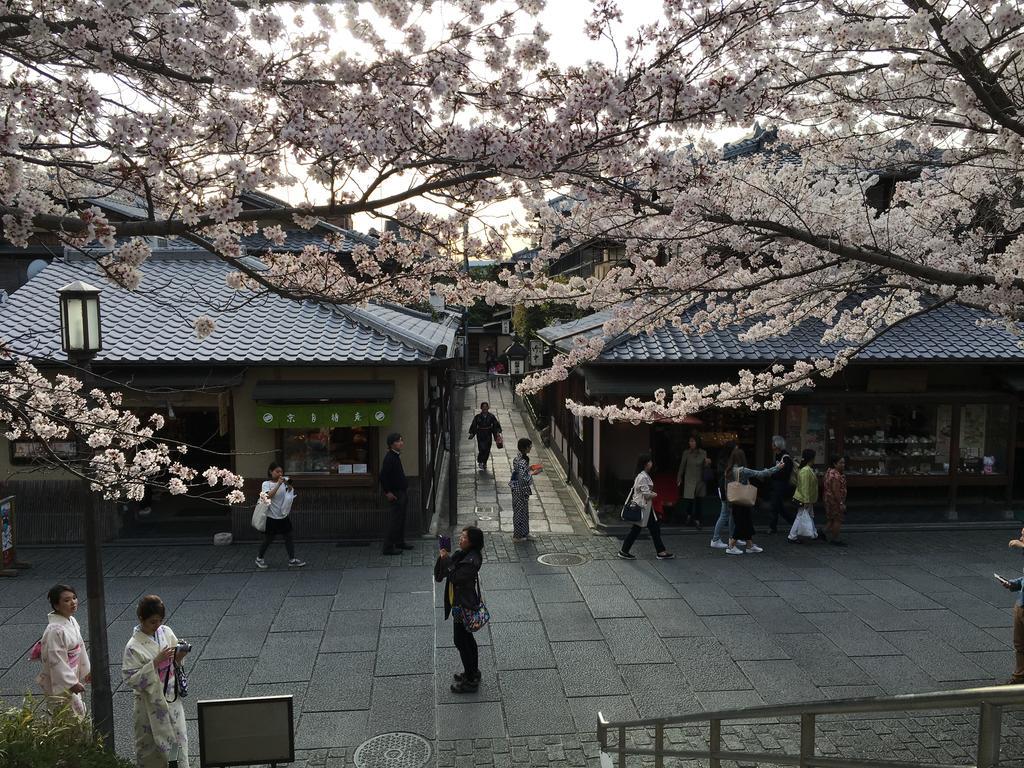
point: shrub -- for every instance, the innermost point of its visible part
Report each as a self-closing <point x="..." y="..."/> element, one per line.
<point x="33" y="737"/>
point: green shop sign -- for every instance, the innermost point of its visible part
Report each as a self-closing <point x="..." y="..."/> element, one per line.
<point x="324" y="416"/>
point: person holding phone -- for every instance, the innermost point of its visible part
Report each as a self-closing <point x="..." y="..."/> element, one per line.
<point x="278" y="489"/>
<point x="460" y="571"/>
<point x="148" y="669"/>
<point x="1016" y="585"/>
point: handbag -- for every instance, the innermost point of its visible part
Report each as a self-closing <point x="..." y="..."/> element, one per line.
<point x="499" y="440"/>
<point x="473" y="620"/>
<point x="259" y="516"/>
<point x="741" y="494"/>
<point x="180" y="682"/>
<point x="631" y="511"/>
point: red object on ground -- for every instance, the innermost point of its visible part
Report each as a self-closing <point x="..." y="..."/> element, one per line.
<point x="668" y="493"/>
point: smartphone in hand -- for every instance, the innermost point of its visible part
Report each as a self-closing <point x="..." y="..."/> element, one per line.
<point x="444" y="542"/>
<point x="1000" y="579"/>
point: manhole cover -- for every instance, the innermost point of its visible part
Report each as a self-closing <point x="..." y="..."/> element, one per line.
<point x="393" y="750"/>
<point x="561" y="558"/>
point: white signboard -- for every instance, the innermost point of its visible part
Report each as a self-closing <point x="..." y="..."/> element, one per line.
<point x="536" y="353"/>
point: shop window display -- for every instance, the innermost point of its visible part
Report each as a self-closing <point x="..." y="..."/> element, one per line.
<point x="984" y="437"/>
<point x="895" y="440"/>
<point x="338" y="451"/>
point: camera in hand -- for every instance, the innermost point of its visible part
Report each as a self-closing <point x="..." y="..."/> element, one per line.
<point x="183" y="647"/>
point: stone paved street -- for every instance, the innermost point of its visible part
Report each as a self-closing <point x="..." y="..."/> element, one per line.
<point x="357" y="639"/>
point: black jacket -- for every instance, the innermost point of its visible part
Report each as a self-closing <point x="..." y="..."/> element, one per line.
<point x="392" y="476"/>
<point x="779" y="483"/>
<point x="460" y="572"/>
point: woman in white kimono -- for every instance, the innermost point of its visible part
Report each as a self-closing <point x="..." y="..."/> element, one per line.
<point x="62" y="652"/>
<point x="148" y="669"/>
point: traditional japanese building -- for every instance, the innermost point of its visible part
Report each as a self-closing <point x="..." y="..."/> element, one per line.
<point x="315" y="387"/>
<point x="928" y="416"/>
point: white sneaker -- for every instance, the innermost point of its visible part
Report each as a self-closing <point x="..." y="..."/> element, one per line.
<point x="261" y="563"/>
<point x="734" y="551"/>
<point x="741" y="543"/>
<point x="718" y="544"/>
<point x="296" y="563"/>
<point x="754" y="549"/>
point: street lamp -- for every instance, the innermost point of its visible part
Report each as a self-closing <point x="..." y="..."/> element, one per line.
<point x="81" y="339"/>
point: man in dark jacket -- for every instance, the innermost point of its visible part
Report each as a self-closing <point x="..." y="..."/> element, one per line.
<point x="780" y="486"/>
<point x="396" y="487"/>
<point x="485" y="428"/>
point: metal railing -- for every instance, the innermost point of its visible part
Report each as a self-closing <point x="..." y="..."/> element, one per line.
<point x="989" y="701"/>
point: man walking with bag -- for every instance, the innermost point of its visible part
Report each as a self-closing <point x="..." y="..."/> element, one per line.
<point x="485" y="427"/>
<point x="396" y="490"/>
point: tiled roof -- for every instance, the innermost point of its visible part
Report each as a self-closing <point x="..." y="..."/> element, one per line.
<point x="296" y="240"/>
<point x="949" y="333"/>
<point x="154" y="324"/>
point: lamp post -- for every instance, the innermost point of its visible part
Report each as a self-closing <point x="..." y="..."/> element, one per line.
<point x="516" y="355"/>
<point x="81" y="339"/>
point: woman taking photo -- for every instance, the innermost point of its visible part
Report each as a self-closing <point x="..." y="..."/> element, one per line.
<point x="743" y="516"/>
<point x="643" y="495"/>
<point x="62" y="652"/>
<point x="460" y="572"/>
<point x="281" y="495"/>
<point x="148" y="669"/>
<point x="522" y="488"/>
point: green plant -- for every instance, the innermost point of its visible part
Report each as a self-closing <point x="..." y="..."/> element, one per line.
<point x="33" y="737"/>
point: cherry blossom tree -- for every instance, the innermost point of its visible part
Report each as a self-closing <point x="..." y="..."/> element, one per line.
<point x="898" y="188"/>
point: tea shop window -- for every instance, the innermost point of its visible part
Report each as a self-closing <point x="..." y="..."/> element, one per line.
<point x="898" y="439"/>
<point x="984" y="438"/>
<point x="340" y="451"/>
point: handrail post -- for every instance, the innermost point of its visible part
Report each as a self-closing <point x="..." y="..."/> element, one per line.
<point x="715" y="745"/>
<point x="622" y="746"/>
<point x="602" y="731"/>
<point x="989" y="731"/>
<point x="807" y="740"/>
<point x="659" y="745"/>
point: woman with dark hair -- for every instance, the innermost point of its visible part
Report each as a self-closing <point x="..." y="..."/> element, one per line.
<point x="835" y="500"/>
<point x="61" y="650"/>
<point x="148" y="668"/>
<point x="279" y="491"/>
<point x="806" y="495"/>
<point x="461" y="573"/>
<point x="522" y="488"/>
<point x="743" y="516"/>
<point x="724" y="524"/>
<point x="690" y="480"/>
<point x="643" y="494"/>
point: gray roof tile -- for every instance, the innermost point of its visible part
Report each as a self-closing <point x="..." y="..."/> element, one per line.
<point x="950" y="333"/>
<point x="154" y="324"/>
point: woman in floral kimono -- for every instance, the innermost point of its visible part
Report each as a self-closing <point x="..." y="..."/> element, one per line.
<point x="148" y="669"/>
<point x="62" y="652"/>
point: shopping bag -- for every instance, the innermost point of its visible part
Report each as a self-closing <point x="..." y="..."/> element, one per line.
<point x="259" y="516"/>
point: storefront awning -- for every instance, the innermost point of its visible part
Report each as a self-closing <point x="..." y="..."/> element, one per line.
<point x="322" y="391"/>
<point x="631" y="383"/>
<point x="299" y="416"/>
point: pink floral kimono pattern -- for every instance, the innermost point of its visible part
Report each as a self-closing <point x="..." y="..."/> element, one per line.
<point x="159" y="724"/>
<point x="65" y="662"/>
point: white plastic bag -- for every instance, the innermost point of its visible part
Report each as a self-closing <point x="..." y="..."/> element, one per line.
<point x="803" y="525"/>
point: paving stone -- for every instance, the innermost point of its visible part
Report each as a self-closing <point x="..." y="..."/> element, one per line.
<point x="707" y="599"/>
<point x="351" y="631"/>
<point x="408" y="609"/>
<point x="897" y="674"/>
<point x="609" y="601"/>
<point x="945" y="663"/>
<point x="200" y="617"/>
<point x="744" y="638"/>
<point x="779" y="681"/>
<point x="824" y="663"/>
<point x="878" y="614"/>
<point x="448" y="663"/>
<point x="634" y="641"/>
<point x="967" y="606"/>
<point x="302" y="613"/>
<point x="534" y="702"/>
<point x="898" y="594"/>
<point x="521" y="645"/>
<point x="569" y="621"/>
<point x="595" y="573"/>
<point x="587" y="669"/>
<point x="220" y="586"/>
<point x="359" y="595"/>
<point x="326" y="730"/>
<point x="832" y="582"/>
<point x="775" y="615"/>
<point x="340" y="681"/>
<point x="477" y="720"/>
<point x="957" y="631"/>
<point x="584" y="711"/>
<point x="643" y="580"/>
<point x="214" y="679"/>
<point x="405" y="651"/>
<point x="804" y="597"/>
<point x="323" y="583"/>
<point x="410" y="579"/>
<point x="659" y="690"/>
<point x="851" y="635"/>
<point x="705" y="664"/>
<point x="511" y="605"/>
<point x="554" y="588"/>
<point x="16" y="640"/>
<point x="237" y="636"/>
<point x="674" y="618"/>
<point x="415" y="714"/>
<point x="286" y="657"/>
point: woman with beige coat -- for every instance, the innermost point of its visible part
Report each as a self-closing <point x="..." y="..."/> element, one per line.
<point x="643" y="495"/>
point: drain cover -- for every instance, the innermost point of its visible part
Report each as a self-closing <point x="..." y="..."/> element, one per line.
<point x="393" y="750"/>
<point x="561" y="558"/>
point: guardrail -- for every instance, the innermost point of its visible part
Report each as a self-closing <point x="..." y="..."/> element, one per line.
<point x="989" y="701"/>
